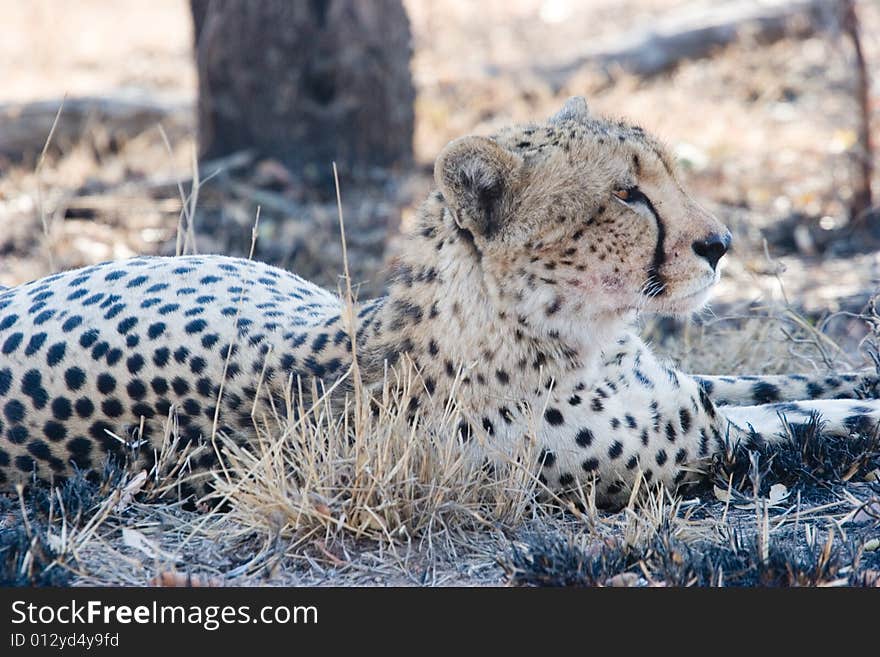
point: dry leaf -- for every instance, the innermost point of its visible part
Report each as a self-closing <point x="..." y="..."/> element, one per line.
<point x="131" y="489"/>
<point x="622" y="580"/>
<point x="868" y="512"/>
<point x="721" y="494"/>
<point x="778" y="492"/>
<point x="135" y="539"/>
<point x="174" y="579"/>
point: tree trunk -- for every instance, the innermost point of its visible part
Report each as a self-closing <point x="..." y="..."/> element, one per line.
<point x="306" y="83"/>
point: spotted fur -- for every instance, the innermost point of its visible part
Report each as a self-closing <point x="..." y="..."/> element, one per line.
<point x="515" y="294"/>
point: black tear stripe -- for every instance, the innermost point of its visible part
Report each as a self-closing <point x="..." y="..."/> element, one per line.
<point x="656" y="285"/>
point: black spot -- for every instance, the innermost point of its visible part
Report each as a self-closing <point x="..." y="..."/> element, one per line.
<point x="706" y="403"/>
<point x="615" y="450"/>
<point x="35" y="344"/>
<point x="547" y="459"/>
<point x="126" y="325"/>
<point x="14" y="411"/>
<point x="590" y="465"/>
<point x="155" y="330"/>
<point x="198" y="364"/>
<point x="159" y="385"/>
<point x="630" y="421"/>
<point x="661" y="457"/>
<point x="40" y="449"/>
<point x="706" y="385"/>
<point x="670" y="432"/>
<point x="566" y="479"/>
<point x="112" y="407"/>
<point x="196" y="326"/>
<point x="44" y="317"/>
<point x="61" y="408"/>
<point x="25" y="463"/>
<point x="584" y="437"/>
<point x="502" y="376"/>
<point x="5" y="380"/>
<point x="815" y="391"/>
<point x="764" y="393"/>
<point x="12" y="343"/>
<point x="54" y="431"/>
<point x="632" y="462"/>
<point x="84" y="407"/>
<point x="101" y="431"/>
<point x="319" y="343"/>
<point x="180" y="386"/>
<point x="465" y="431"/>
<point x="553" y="417"/>
<point x="192" y="407"/>
<point x="88" y="338"/>
<point x="181" y="354"/>
<point x="681" y="456"/>
<point x="684" y="417"/>
<point x="56" y="354"/>
<point x="574" y="400"/>
<point x="161" y="356"/>
<point x="135" y="363"/>
<point x="80" y="449"/>
<point x="136" y="389"/>
<point x="704" y="443"/>
<point x="17" y="434"/>
<point x="114" y="311"/>
<point x="615" y="423"/>
<point x="100" y="350"/>
<point x="488" y="426"/>
<point x="597" y="405"/>
<point x="106" y="383"/>
<point x="32" y="386"/>
<point x="169" y="308"/>
<point x="861" y="424"/>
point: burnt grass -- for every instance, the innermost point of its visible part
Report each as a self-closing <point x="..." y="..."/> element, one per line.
<point x="815" y="467"/>
<point x="27" y="556"/>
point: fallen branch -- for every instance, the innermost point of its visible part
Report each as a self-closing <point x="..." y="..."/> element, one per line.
<point x="25" y="126"/>
<point x="691" y="34"/>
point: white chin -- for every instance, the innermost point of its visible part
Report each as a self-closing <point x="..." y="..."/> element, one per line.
<point x="685" y="304"/>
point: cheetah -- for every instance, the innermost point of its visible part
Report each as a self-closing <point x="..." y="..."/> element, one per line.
<point x="516" y="293"/>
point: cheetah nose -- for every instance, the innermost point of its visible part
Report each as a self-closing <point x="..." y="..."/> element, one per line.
<point x="712" y="248"/>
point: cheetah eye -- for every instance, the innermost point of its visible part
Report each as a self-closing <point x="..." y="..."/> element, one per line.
<point x="633" y="198"/>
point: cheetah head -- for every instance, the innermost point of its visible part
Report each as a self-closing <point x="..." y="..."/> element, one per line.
<point x="581" y="217"/>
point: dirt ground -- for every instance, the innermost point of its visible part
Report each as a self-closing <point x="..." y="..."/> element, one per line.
<point x="765" y="134"/>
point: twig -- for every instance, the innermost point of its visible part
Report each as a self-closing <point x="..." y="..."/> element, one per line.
<point x="862" y="200"/>
<point x="39" y="174"/>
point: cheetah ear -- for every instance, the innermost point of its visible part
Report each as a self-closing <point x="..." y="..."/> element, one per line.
<point x="575" y="109"/>
<point x="475" y="175"/>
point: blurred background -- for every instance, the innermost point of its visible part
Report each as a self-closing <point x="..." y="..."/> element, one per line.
<point x="162" y="126"/>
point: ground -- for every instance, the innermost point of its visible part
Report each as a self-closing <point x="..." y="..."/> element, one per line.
<point x="764" y="132"/>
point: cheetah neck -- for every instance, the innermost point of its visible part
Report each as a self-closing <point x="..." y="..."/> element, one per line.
<point x="445" y="312"/>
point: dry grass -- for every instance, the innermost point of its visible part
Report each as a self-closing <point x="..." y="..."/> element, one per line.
<point x="343" y="490"/>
